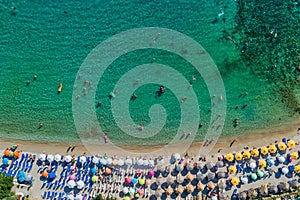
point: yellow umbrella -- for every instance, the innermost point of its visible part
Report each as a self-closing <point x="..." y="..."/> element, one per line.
<point x="273" y="148"/>
<point x="262" y="163"/>
<point x="281" y="146"/>
<point x="238" y="156"/>
<point x="294" y="155"/>
<point x="235" y="181"/>
<point x="246" y="154"/>
<point x="297" y="168"/>
<point x="232" y="169"/>
<point x="255" y="152"/>
<point x="264" y="150"/>
<point x="229" y="157"/>
<point x="291" y="144"/>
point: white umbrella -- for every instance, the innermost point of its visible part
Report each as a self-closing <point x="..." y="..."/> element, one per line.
<point x="244" y="179"/>
<point x="190" y="166"/>
<point x="68" y="158"/>
<point x="50" y="157"/>
<point x="151" y="163"/>
<point x="285" y="170"/>
<point x="95" y="160"/>
<point x="70" y="197"/>
<point x="200" y="165"/>
<point x="177" y="156"/>
<point x="79" y="197"/>
<point x="57" y="157"/>
<point x="103" y="161"/>
<point x="146" y="162"/>
<point x="181" y="167"/>
<point x="281" y="159"/>
<point x="140" y="162"/>
<point x="71" y="184"/>
<point x="80" y="185"/>
<point x="120" y="162"/>
<point x="252" y="165"/>
<point x="125" y="190"/>
<point x="109" y="161"/>
<point x="42" y="157"/>
<point x="128" y="161"/>
<point x="82" y="159"/>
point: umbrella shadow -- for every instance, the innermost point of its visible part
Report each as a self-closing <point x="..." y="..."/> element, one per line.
<point x="152" y="197"/>
<point x="289" y="175"/>
<point x="154" y="186"/>
<point x="277" y="175"/>
<point x="194" y="171"/>
<point x="184" y="172"/>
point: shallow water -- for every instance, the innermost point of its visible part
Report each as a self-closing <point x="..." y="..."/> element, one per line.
<point x="52" y="40"/>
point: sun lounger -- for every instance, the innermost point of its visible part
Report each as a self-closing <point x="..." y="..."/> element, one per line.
<point x="48" y="195"/>
<point x="44" y="196"/>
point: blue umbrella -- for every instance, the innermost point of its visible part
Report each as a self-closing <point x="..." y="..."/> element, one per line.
<point x="21" y="174"/>
<point x="52" y="175"/>
<point x="21" y="179"/>
<point x="134" y="181"/>
<point x="93" y="170"/>
<point x="5" y="161"/>
<point x="291" y="168"/>
<point x="28" y="177"/>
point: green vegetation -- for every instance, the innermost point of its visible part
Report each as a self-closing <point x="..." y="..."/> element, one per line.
<point x="99" y="197"/>
<point x="6" y="183"/>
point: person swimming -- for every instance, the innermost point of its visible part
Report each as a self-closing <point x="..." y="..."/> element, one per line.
<point x="221" y="12"/>
<point x="160" y="91"/>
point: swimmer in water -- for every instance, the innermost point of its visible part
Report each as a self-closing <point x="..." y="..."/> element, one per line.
<point x="183" y="99"/>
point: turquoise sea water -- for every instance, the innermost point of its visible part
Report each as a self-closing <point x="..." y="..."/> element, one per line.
<point x="51" y="40"/>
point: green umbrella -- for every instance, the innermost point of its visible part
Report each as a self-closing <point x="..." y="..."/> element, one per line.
<point x="131" y="191"/>
<point x="95" y="178"/>
<point x="141" y="181"/>
<point x="126" y="198"/>
<point x="260" y="173"/>
<point x="137" y="196"/>
<point x="253" y="176"/>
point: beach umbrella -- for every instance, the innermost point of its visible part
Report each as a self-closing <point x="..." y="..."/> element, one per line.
<point x="291" y="168"/>
<point x="52" y="175"/>
<point x="158" y="193"/>
<point x="229" y="157"/>
<point x="72" y="177"/>
<point x="270" y="161"/>
<point x="17" y="154"/>
<point x="79" y="197"/>
<point x="140" y="191"/>
<point x="134" y="181"/>
<point x="125" y="190"/>
<point x="42" y="157"/>
<point x="68" y="158"/>
<point x="103" y="161"/>
<point x="200" y="165"/>
<point x="131" y="191"/>
<point x="264" y="150"/>
<point x="285" y="170"/>
<point x="179" y="189"/>
<point x="284" y="187"/>
<point x="93" y="170"/>
<point x="272" y="148"/>
<point x="107" y="171"/>
<point x="297" y="169"/>
<point x="28" y="177"/>
<point x="252" y="193"/>
<point x="253" y="176"/>
<point x="210" y="185"/>
<point x="177" y="156"/>
<point x="169" y="191"/>
<point x="71" y="184"/>
<point x="252" y="165"/>
<point x="128" y="181"/>
<point x="80" y="184"/>
<point x="95" y="160"/>
<point x="281" y="159"/>
<point x="246" y="155"/>
<point x="109" y="161"/>
<point x="50" y="157"/>
<point x="200" y="177"/>
<point x="281" y="146"/>
<point x="244" y="179"/>
<point x="179" y="179"/>
<point x="45" y="174"/>
<point x="148" y="182"/>
<point x="140" y="162"/>
<point x="126" y="198"/>
<point x="145" y="162"/>
<point x="263" y="190"/>
<point x="222" y="185"/>
<point x="151" y="163"/>
<point x="294" y="184"/>
<point x="181" y="167"/>
<point x="294" y="155"/>
<point x="94" y="178"/>
<point x="242" y="196"/>
<point x="21" y="174"/>
<point x="238" y="156"/>
<point x="128" y="161"/>
<point x="151" y="173"/>
<point x="5" y="161"/>
<point x="170" y="180"/>
<point x="219" y="164"/>
<point x="190" y="188"/>
<point x="273" y="189"/>
<point x="82" y="159"/>
<point x="141" y="181"/>
<point x="137" y="196"/>
<point x="190" y="167"/>
<point x="115" y="162"/>
<point x="209" y="165"/>
<point x="221" y="175"/>
<point x="70" y="197"/>
<point x="211" y="176"/>
<point x="235" y="181"/>
<point x="262" y="163"/>
<point x="260" y="173"/>
<point x="291" y="144"/>
<point x="232" y="169"/>
<point x="189" y="177"/>
<point x="255" y="152"/>
<point x="200" y="186"/>
<point x="57" y="158"/>
<point x="8" y="152"/>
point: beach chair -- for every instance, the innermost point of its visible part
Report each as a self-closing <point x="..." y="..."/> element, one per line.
<point x="22" y="157"/>
<point x="26" y="156"/>
<point x="48" y="195"/>
<point x="44" y="196"/>
<point x="54" y="195"/>
<point x="30" y="167"/>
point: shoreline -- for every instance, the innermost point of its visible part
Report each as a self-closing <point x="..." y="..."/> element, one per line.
<point x="244" y="139"/>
